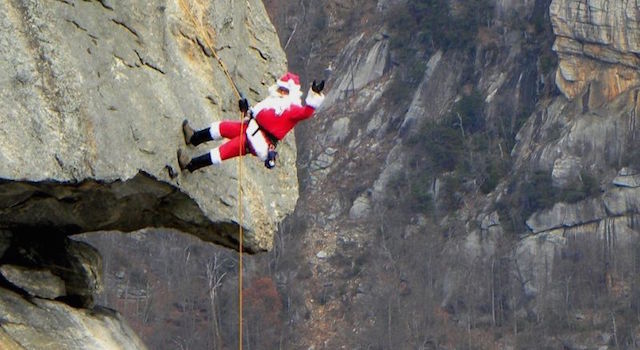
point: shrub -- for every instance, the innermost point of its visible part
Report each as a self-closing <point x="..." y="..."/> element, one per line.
<point x="431" y="24"/>
<point x="495" y="171"/>
<point x="420" y="186"/>
<point x="585" y="187"/>
<point x="469" y="108"/>
<point x="538" y="193"/>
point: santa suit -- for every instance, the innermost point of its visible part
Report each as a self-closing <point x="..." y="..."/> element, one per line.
<point x="272" y="119"/>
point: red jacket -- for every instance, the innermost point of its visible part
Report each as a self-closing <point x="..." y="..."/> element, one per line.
<point x="279" y="125"/>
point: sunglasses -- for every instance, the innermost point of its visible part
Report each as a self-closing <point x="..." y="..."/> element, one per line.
<point x="283" y="91"/>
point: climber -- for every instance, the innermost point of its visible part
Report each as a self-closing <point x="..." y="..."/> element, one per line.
<point x="268" y="122"/>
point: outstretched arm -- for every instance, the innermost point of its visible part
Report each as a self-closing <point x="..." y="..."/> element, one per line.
<point x="315" y="97"/>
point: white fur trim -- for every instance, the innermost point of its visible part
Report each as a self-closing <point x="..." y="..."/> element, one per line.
<point x="214" y="130"/>
<point x="314" y="99"/>
<point x="289" y="85"/>
<point x="282" y="84"/>
<point x="257" y="140"/>
<point x="277" y="102"/>
<point x="215" y="156"/>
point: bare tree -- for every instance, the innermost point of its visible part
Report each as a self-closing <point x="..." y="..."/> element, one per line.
<point x="214" y="280"/>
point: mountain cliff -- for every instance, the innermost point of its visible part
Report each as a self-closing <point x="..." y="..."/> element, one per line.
<point x="93" y="96"/>
<point x="470" y="182"/>
<point x="472" y="177"/>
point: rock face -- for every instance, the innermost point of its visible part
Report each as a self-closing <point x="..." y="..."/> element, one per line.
<point x="597" y="45"/>
<point x="595" y="132"/>
<point x="585" y="127"/>
<point x="598" y="42"/>
<point x="93" y="95"/>
<point x="40" y="283"/>
<point x="46" y="324"/>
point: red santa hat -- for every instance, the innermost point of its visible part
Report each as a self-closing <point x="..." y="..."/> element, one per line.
<point x="289" y="81"/>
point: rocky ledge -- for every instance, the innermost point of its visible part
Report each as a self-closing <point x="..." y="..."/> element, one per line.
<point x="598" y="46"/>
<point x="93" y="95"/>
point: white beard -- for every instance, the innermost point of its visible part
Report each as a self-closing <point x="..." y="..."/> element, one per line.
<point x="277" y="101"/>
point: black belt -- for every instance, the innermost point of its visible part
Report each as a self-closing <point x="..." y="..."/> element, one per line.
<point x="274" y="140"/>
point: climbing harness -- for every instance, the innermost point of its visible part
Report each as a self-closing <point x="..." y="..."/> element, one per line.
<point x="261" y="143"/>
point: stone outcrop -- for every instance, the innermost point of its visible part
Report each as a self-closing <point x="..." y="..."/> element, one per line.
<point x="93" y="95"/>
<point x="593" y="126"/>
<point x="598" y="43"/>
<point x="590" y="129"/>
<point x="586" y="130"/>
<point x="46" y="324"/>
<point x="627" y="178"/>
<point x="366" y="67"/>
<point x="39" y="283"/>
<point x="617" y="202"/>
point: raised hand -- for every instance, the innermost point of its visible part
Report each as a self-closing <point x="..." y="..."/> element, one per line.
<point x="317" y="87"/>
<point x="243" y="104"/>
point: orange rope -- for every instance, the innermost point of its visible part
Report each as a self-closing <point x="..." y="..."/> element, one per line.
<point x="240" y="237"/>
<point x="207" y="40"/>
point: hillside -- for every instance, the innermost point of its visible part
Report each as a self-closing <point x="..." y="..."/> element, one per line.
<point x="471" y="182"/>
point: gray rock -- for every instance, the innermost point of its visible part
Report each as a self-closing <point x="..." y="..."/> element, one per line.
<point x="47" y="324"/>
<point x="628" y="172"/>
<point x="565" y="170"/>
<point x="367" y="66"/>
<point x="77" y="264"/>
<point x="533" y="255"/>
<point x="417" y="107"/>
<point x="621" y="201"/>
<point x="376" y="122"/>
<point x="490" y="220"/>
<point x="596" y="50"/>
<point x="39" y="283"/>
<point x="593" y="138"/>
<point x="335" y="211"/>
<point x="93" y="95"/>
<point x="627" y="178"/>
<point x="339" y="131"/>
<point x="567" y="215"/>
<point x="323" y="161"/>
<point x="361" y="207"/>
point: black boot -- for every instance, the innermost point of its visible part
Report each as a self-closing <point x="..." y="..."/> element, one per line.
<point x="196" y="162"/>
<point x="193" y="137"/>
<point x="201" y="136"/>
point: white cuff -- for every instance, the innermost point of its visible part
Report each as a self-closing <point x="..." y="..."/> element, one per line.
<point x="215" y="156"/>
<point x="214" y="130"/>
<point x="314" y="99"/>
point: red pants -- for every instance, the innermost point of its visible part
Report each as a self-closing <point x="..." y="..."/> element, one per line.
<point x="237" y="144"/>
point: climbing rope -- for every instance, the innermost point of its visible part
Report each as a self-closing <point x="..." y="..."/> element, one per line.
<point x="205" y="36"/>
<point x="207" y="40"/>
